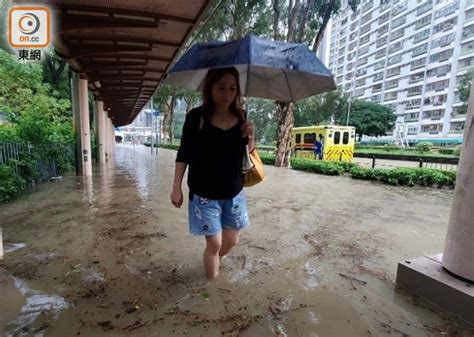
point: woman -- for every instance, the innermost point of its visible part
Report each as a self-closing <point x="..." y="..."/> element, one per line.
<point x="213" y="144"/>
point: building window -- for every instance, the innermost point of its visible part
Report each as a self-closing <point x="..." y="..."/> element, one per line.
<point x="382" y="30"/>
<point x="365" y="39"/>
<point x="412" y="117"/>
<point x="395" y="47"/>
<point x="360" y="82"/>
<point x="456" y="127"/>
<point x="384" y="18"/>
<point x="440" y="71"/>
<point x="424" y="8"/>
<point x="421" y="35"/>
<point x="390" y="96"/>
<point x="422" y="22"/>
<point x="380" y="53"/>
<point x="443" y="41"/>
<point x="359" y="92"/>
<point x="419" y="50"/>
<point x="395" y="35"/>
<point x="362" y="61"/>
<point x="382" y="41"/>
<point x="377" y="88"/>
<point x="395" y="59"/>
<point x="468" y="32"/>
<point x="393" y="71"/>
<point x="378" y="76"/>
<point x="437" y="86"/>
<point x="434" y="114"/>
<point x="365" y="29"/>
<point x="432" y="128"/>
<point x="467" y="48"/>
<point x="391" y="84"/>
<point x="445" y="26"/>
<point x="414" y="90"/>
<point x="441" y="56"/>
<point x="379" y="65"/>
<point x="398" y="22"/>
<point x="416" y="77"/>
<point x="413" y="103"/>
<point x="447" y="10"/>
<point x="366" y="18"/>
<point x="364" y="50"/>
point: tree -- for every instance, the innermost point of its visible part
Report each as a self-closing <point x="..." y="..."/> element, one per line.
<point x="304" y="21"/>
<point x="35" y="115"/>
<point x="370" y="118"/>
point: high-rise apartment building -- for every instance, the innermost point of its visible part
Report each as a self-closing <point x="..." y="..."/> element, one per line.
<point x="408" y="55"/>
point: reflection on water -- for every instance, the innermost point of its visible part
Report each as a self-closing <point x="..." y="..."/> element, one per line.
<point x="36" y="304"/>
<point x="11" y="247"/>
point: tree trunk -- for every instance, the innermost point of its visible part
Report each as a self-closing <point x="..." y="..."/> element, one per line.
<point x="321" y="30"/>
<point x="55" y="72"/>
<point x="292" y="11"/>
<point x="276" y="18"/>
<point x="304" y="19"/>
<point x="171" y="117"/>
<point x="284" y="114"/>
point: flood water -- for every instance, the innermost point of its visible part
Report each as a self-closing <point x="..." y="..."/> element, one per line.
<point x="110" y="256"/>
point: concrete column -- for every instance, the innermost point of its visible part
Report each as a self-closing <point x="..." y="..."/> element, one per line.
<point x="81" y="126"/>
<point x="99" y="116"/>
<point x="458" y="254"/>
<point x="112" y="132"/>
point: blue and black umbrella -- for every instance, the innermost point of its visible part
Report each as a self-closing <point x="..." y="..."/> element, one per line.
<point x="268" y="69"/>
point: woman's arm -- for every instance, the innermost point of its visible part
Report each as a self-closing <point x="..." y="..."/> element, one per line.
<point x="177" y="191"/>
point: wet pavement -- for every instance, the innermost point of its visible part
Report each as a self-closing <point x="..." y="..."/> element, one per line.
<point x="110" y="256"/>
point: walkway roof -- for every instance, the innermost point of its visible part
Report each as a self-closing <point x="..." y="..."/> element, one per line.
<point x="123" y="47"/>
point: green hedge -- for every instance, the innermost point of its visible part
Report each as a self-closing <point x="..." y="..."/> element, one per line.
<point x="11" y="184"/>
<point x="403" y="176"/>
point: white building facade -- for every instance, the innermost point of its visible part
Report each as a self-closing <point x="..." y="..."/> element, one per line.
<point x="408" y="55"/>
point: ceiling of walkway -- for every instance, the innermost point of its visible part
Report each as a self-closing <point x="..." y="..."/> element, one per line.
<point x="124" y="47"/>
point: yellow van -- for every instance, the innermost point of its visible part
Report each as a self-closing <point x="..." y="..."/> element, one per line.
<point x="324" y="142"/>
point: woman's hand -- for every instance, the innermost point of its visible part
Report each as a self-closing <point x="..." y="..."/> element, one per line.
<point x="247" y="130"/>
<point x="177" y="197"/>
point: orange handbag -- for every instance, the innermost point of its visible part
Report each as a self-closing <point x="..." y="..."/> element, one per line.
<point x="252" y="168"/>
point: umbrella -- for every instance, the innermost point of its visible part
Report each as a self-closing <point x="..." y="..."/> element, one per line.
<point x="268" y="69"/>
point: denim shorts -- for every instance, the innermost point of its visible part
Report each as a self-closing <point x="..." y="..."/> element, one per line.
<point x="208" y="217"/>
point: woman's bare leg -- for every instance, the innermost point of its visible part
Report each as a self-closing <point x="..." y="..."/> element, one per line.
<point x="230" y="237"/>
<point x="211" y="255"/>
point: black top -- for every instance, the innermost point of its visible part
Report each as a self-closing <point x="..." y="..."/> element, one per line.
<point x="214" y="157"/>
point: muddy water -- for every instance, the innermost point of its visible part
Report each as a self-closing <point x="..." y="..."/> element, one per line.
<point x="109" y="256"/>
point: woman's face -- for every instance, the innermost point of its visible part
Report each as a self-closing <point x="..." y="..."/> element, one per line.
<point x="224" y="90"/>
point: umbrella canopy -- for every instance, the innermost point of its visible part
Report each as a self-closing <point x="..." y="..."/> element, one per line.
<point x="268" y="69"/>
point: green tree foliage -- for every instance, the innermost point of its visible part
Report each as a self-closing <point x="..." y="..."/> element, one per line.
<point x="370" y="118"/>
<point x="35" y="114"/>
<point x="262" y="114"/>
<point x="321" y="109"/>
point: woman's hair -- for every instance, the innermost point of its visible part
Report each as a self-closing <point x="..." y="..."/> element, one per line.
<point x="212" y="77"/>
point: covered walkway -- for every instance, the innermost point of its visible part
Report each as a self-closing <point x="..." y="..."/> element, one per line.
<point x="111" y="257"/>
